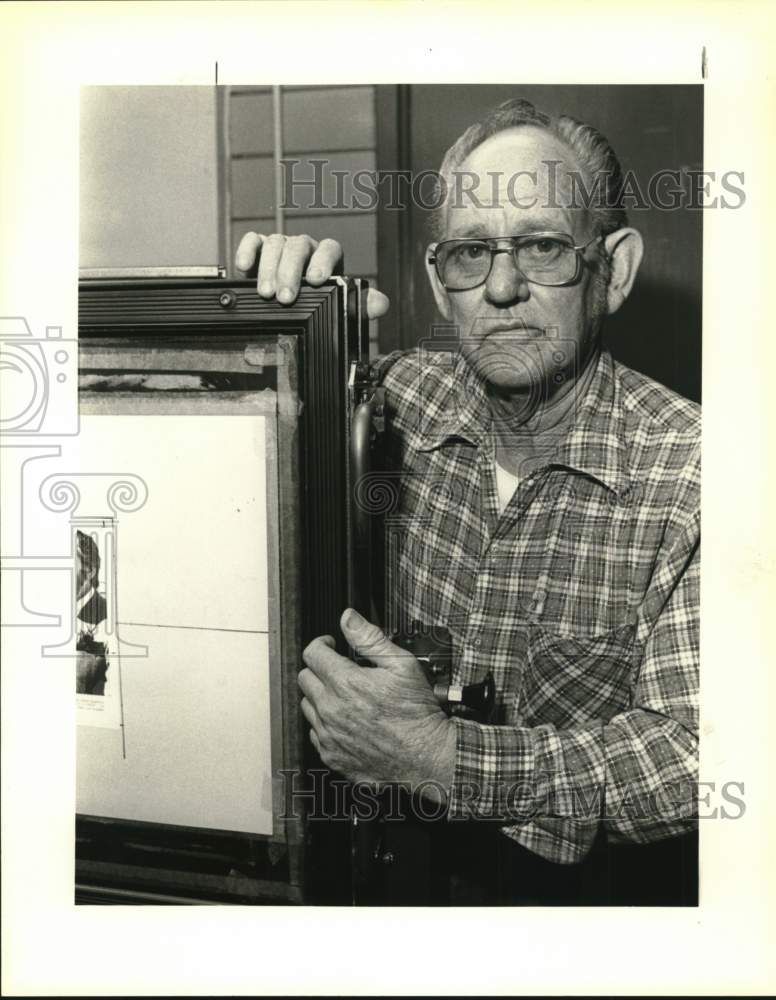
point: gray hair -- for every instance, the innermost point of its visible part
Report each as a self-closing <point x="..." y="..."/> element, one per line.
<point x="590" y="147"/>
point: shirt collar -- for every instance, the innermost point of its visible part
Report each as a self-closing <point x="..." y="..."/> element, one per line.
<point x="594" y="445"/>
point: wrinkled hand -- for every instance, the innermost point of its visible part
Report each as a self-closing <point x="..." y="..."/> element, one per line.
<point x="375" y="725"/>
<point x="284" y="260"/>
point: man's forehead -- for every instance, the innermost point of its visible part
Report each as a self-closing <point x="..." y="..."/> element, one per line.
<point x="524" y="147"/>
<point x="519" y="179"/>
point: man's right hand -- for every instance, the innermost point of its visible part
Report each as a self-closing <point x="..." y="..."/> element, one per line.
<point x="285" y="260"/>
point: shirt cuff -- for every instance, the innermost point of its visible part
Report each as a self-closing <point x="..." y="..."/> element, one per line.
<point x="494" y="766"/>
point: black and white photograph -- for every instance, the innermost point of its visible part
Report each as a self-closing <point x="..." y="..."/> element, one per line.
<point x="490" y="464"/>
<point x="98" y="654"/>
<point x="90" y="618"/>
<point x="381" y="505"/>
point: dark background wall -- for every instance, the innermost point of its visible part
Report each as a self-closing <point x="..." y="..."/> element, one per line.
<point x="652" y="128"/>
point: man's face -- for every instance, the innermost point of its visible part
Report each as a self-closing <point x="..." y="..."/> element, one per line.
<point x="517" y="334"/>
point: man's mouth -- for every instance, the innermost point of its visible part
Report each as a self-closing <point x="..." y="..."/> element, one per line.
<point x="514" y="331"/>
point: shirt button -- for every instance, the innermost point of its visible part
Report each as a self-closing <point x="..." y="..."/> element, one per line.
<point x="476" y="641"/>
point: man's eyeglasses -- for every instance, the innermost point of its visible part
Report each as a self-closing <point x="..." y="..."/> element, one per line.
<point x="542" y="258"/>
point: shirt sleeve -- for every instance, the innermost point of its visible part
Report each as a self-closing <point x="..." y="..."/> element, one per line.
<point x="380" y="365"/>
<point x="636" y="773"/>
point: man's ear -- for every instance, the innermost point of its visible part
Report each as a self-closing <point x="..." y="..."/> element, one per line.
<point x="439" y="290"/>
<point x="625" y="248"/>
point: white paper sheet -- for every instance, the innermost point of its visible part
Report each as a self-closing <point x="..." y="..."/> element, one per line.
<point x="193" y="554"/>
<point x="197" y="733"/>
<point x="191" y="586"/>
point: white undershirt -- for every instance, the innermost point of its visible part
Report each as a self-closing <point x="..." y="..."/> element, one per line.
<point x="506" y="484"/>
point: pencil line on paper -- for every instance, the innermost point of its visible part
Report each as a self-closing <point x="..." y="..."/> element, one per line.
<point x="202" y="628"/>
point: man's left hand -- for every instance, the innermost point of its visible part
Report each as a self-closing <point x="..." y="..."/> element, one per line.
<point x="375" y="725"/>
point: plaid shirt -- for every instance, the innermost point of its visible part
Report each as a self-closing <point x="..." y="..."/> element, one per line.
<point x="581" y="598"/>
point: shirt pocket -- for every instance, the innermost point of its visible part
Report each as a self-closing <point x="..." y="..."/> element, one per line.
<point x="573" y="680"/>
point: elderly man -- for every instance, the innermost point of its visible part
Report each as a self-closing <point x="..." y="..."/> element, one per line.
<point x="563" y="554"/>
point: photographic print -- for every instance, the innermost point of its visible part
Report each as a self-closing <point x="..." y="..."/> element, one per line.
<point x="97" y="653"/>
<point x="375" y="375"/>
<point x="91" y="614"/>
<point x="528" y="389"/>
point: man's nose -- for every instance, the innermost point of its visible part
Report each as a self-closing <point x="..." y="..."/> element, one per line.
<point x="505" y="284"/>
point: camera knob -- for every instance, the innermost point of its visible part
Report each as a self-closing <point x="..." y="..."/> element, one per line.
<point x="476" y="700"/>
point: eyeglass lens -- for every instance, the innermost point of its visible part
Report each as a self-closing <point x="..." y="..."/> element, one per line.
<point x="464" y="264"/>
